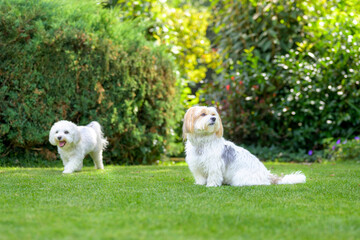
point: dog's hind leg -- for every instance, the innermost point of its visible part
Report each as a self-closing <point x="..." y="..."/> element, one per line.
<point x="98" y="160"/>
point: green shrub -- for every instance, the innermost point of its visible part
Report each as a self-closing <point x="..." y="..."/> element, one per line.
<point x="344" y="150"/>
<point x="182" y="29"/>
<point x="290" y="76"/>
<point x="75" y="61"/>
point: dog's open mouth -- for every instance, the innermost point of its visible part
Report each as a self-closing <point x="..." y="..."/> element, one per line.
<point x="210" y="124"/>
<point x="62" y="143"/>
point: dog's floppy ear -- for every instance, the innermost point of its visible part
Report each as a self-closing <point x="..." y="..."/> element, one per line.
<point x="220" y="131"/>
<point x="76" y="135"/>
<point x="52" y="137"/>
<point x="188" y="126"/>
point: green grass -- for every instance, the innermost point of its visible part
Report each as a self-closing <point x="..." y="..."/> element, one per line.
<point x="161" y="202"/>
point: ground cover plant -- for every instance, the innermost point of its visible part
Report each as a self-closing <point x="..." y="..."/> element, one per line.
<point x="161" y="202"/>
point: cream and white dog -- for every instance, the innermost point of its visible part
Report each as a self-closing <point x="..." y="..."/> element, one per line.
<point x="75" y="142"/>
<point x="215" y="161"/>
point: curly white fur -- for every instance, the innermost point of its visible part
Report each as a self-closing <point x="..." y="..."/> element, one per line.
<point x="214" y="161"/>
<point x="75" y="142"/>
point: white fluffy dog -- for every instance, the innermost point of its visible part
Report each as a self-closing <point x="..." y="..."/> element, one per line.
<point x="214" y="161"/>
<point x="75" y="142"/>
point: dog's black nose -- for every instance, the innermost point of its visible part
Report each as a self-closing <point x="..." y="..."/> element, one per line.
<point x="59" y="137"/>
<point x="213" y="119"/>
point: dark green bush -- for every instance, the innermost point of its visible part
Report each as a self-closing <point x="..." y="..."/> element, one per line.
<point x="290" y="76"/>
<point x="278" y="154"/>
<point x="75" y="61"/>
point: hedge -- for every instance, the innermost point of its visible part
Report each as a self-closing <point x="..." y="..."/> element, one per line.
<point x="77" y="61"/>
<point x="290" y="76"/>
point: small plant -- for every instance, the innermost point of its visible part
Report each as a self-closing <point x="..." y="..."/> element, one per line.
<point x="346" y="150"/>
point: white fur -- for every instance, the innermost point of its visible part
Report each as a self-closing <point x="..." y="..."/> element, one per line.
<point x="80" y="141"/>
<point x="214" y="161"/>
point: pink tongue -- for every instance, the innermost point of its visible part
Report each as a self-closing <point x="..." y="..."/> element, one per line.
<point x="62" y="143"/>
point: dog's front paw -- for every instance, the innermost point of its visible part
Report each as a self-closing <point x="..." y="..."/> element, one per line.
<point x="99" y="166"/>
<point x="213" y="184"/>
<point x="67" y="171"/>
<point x="200" y="182"/>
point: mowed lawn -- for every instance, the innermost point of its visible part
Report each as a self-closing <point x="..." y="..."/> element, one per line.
<point x="162" y="202"/>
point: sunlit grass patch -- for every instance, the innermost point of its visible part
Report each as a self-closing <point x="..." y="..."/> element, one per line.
<point x="162" y="202"/>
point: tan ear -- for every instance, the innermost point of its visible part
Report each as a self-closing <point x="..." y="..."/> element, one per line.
<point x="219" y="133"/>
<point x="188" y="126"/>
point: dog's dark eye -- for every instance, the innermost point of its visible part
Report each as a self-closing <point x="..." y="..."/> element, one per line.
<point x="66" y="132"/>
<point x="203" y="114"/>
<point x="57" y="132"/>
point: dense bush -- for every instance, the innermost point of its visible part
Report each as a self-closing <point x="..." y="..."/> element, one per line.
<point x="290" y="75"/>
<point x="181" y="28"/>
<point x="75" y="61"/>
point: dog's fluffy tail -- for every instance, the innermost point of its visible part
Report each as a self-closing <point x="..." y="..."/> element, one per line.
<point x="293" y="178"/>
<point x="100" y="135"/>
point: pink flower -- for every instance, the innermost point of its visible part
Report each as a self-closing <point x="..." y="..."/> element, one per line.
<point x="228" y="87"/>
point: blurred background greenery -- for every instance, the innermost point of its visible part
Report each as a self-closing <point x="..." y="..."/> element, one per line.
<point x="284" y="75"/>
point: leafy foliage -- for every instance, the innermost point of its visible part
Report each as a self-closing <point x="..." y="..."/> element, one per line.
<point x="268" y="27"/>
<point x="131" y="9"/>
<point x="346" y="150"/>
<point x="278" y="154"/>
<point x="290" y="75"/>
<point x="182" y="28"/>
<point x="77" y="62"/>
